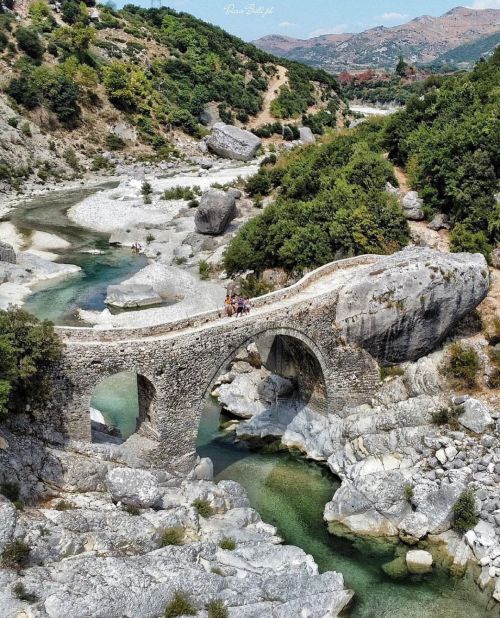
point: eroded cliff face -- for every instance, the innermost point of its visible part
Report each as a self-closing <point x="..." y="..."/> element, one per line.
<point x="107" y="537"/>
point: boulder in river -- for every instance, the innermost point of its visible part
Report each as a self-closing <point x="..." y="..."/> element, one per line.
<point x="127" y="296"/>
<point x="403" y="306"/>
<point x="419" y="561"/>
<point x="216" y="210"/>
<point x="233" y="143"/>
<point x="7" y="253"/>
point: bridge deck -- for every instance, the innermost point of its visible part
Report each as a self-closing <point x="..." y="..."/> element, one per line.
<point x="324" y="280"/>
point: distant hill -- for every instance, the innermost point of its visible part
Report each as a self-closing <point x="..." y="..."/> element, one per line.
<point x="421" y="41"/>
<point x="471" y="52"/>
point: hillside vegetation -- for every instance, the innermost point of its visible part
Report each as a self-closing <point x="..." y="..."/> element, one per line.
<point x="449" y="141"/>
<point x="155" y="69"/>
<point x="330" y="203"/>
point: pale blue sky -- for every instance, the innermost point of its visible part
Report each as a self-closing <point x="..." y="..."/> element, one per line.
<point x="251" y="19"/>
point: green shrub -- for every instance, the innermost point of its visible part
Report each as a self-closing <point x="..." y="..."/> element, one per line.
<point x="180" y="605"/>
<point x="227" y="543"/>
<point x="10" y="490"/>
<point x="204" y="269"/>
<point x="252" y="287"/>
<point x="462" y="366"/>
<point x="16" y="554"/>
<point x="25" y="129"/>
<point x="217" y="609"/>
<point x="150" y="237"/>
<point x="132" y="509"/>
<point x="29" y="42"/>
<point x="203" y="507"/>
<point x="492" y="331"/>
<point x="146" y="188"/>
<point x="114" y="142"/>
<point x="13" y="121"/>
<point x="102" y="163"/>
<point x="71" y="159"/>
<point x="29" y="349"/>
<point x="447" y="416"/>
<point x="172" y="536"/>
<point x="64" y="505"/>
<point x="181" y="193"/>
<point x="465" y="515"/>
<point x="20" y="592"/>
<point x="408" y="492"/>
<point x="391" y="372"/>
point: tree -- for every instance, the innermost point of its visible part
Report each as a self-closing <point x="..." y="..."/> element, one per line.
<point x="402" y="67"/>
<point x="465" y="515"/>
<point x="29" y="42"/>
<point x="29" y="349"/>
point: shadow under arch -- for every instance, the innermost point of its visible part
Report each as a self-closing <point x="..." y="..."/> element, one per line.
<point x="121" y="404"/>
<point x="302" y="351"/>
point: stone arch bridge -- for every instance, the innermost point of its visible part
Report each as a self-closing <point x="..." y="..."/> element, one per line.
<point x="177" y="363"/>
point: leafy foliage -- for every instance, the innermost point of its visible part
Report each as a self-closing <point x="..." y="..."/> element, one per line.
<point x="172" y="536"/>
<point x="452" y="138"/>
<point x="203" y="507"/>
<point x="180" y="605"/>
<point x="462" y="365"/>
<point x="332" y="204"/>
<point x="465" y="515"/>
<point x="28" y="350"/>
<point x="15" y="554"/>
<point x="217" y="609"/>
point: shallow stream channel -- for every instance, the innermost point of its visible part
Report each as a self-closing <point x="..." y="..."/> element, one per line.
<point x="101" y="264"/>
<point x="288" y="491"/>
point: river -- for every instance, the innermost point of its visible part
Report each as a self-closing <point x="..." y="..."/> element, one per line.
<point x="286" y="490"/>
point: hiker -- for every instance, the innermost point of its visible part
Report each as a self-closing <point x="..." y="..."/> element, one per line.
<point x="228" y="306"/>
<point x="247" y="305"/>
<point x="240" y="306"/>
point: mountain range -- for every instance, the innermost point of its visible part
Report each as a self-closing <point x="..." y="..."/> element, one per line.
<point x="471" y="33"/>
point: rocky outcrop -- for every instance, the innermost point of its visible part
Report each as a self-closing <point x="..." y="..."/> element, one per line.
<point x="476" y="416"/>
<point x="7" y="253"/>
<point x="216" y="210"/>
<point x="306" y="135"/>
<point x="404" y="306"/>
<point x="233" y="143"/>
<point x="440" y="222"/>
<point x="125" y="548"/>
<point x="128" y="296"/>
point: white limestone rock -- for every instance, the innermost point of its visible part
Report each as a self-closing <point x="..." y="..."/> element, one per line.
<point x="131" y="295"/>
<point x="233" y="143"/>
<point x="402" y="307"/>
<point x="476" y="416"/>
<point x="419" y="561"/>
<point x="7" y="521"/>
<point x="413" y="527"/>
<point x="133" y="487"/>
<point x="306" y="135"/>
<point x="412" y="206"/>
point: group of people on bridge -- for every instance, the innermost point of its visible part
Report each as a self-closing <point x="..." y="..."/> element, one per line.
<point x="236" y="305"/>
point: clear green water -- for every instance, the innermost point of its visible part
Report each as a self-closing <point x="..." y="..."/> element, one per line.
<point x="86" y="290"/>
<point x="116" y="397"/>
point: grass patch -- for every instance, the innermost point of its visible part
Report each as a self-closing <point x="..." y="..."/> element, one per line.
<point x="182" y="193"/>
<point x="132" y="509"/>
<point x="172" y="536"/>
<point x="204" y="269"/>
<point x="227" y="543"/>
<point x="465" y="515"/>
<point x="408" y="492"/>
<point x="217" y="609"/>
<point x="447" y="416"/>
<point x="180" y="605"/>
<point x="203" y="507"/>
<point x="462" y="366"/>
<point x="64" y="505"/>
<point x="391" y="372"/>
<point x="16" y="554"/>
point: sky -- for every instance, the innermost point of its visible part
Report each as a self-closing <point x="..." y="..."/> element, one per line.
<point x="251" y="19"/>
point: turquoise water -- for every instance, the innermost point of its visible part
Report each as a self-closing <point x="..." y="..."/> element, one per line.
<point x="291" y="493"/>
<point x="116" y="397"/>
<point x="86" y="290"/>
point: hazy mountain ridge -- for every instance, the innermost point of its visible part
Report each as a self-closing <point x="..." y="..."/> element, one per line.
<point x="422" y="40"/>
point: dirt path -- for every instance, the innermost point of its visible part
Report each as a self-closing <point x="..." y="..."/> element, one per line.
<point x="402" y="179"/>
<point x="275" y="83"/>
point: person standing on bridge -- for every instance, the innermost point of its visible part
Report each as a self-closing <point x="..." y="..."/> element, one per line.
<point x="228" y="306"/>
<point x="240" y="306"/>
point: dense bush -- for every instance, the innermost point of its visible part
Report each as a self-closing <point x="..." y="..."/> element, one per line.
<point x="28" y="350"/>
<point x="465" y="515"/>
<point x="15" y="554"/>
<point x="29" y="42"/>
<point x="203" y="507"/>
<point x="462" y="366"/>
<point x="172" y="536"/>
<point x="451" y="137"/>
<point x="217" y="609"/>
<point x="332" y="204"/>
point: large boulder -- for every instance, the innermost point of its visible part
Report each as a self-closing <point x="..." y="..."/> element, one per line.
<point x="306" y="135"/>
<point x="133" y="487"/>
<point x="131" y="295"/>
<point x="233" y="143"/>
<point x="412" y="206"/>
<point x="476" y="416"/>
<point x="419" y="561"/>
<point x="7" y="253"/>
<point x="216" y="210"/>
<point x="403" y="306"/>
